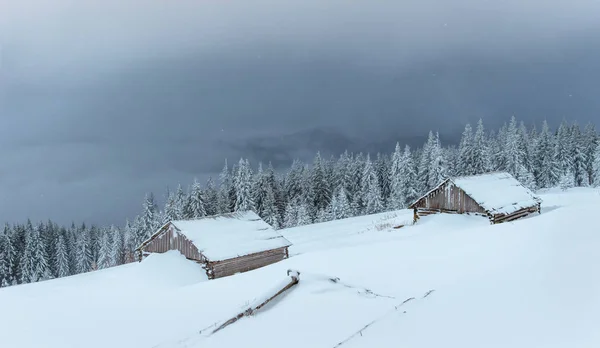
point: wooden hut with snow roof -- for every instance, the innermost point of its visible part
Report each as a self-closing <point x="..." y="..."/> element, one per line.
<point x="498" y="196"/>
<point x="223" y="244"/>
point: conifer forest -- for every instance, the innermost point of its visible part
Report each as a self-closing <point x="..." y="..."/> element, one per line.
<point x="350" y="184"/>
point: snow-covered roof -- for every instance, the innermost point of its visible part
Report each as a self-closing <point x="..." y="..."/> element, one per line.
<point x="226" y="236"/>
<point x="497" y="193"/>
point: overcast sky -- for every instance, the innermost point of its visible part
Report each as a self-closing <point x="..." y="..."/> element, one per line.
<point x="102" y="101"/>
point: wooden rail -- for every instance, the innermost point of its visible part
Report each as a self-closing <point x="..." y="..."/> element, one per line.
<point x="294" y="279"/>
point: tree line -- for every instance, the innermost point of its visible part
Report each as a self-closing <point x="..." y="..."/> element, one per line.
<point x="351" y="184"/>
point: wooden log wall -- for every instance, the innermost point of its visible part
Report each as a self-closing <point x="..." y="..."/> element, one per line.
<point x="170" y="239"/>
<point x="500" y="218"/>
<point x="449" y="198"/>
<point x="246" y="263"/>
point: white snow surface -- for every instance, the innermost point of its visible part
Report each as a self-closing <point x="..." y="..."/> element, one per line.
<point x="231" y="235"/>
<point x="533" y="282"/>
<point x="498" y="193"/>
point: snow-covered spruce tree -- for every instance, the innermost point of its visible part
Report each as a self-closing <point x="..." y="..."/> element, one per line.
<point x="171" y="211"/>
<point x="480" y="150"/>
<point x="104" y="260"/>
<point x="579" y="159"/>
<point x="567" y="180"/>
<point x="425" y="161"/>
<point x="562" y="152"/>
<point x="466" y="153"/>
<point x="291" y="215"/>
<point x="591" y="140"/>
<point x="211" y="196"/>
<point x="243" y="187"/>
<point x="269" y="212"/>
<point x="6" y="260"/>
<point x="354" y="187"/>
<point x="319" y="190"/>
<point x="382" y="167"/>
<point x="437" y="164"/>
<point x="148" y="222"/>
<point x="596" y="168"/>
<point x="450" y="155"/>
<point x="512" y="153"/>
<point x="116" y="252"/>
<point x="226" y="190"/>
<point x="196" y="204"/>
<point x="397" y="199"/>
<point x="340" y="205"/>
<point x="546" y="170"/>
<point x="294" y="185"/>
<point x="41" y="271"/>
<point x="26" y="265"/>
<point x="62" y="257"/>
<point x="83" y="253"/>
<point x="341" y="174"/>
<point x="408" y="175"/>
<point x="303" y="217"/>
<point x="371" y="193"/>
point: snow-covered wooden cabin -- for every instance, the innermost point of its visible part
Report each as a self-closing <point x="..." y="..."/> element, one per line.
<point x="224" y="244"/>
<point x="498" y="196"/>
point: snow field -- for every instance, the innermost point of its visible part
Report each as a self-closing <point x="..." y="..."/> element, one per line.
<point x="528" y="283"/>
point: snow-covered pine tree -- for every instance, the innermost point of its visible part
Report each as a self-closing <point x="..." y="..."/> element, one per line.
<point x="294" y="185"/>
<point x="303" y="217"/>
<point x="425" y="161"/>
<point x="397" y="199"/>
<point x="26" y="264"/>
<point x="148" y="222"/>
<point x="62" y="257"/>
<point x="579" y="159"/>
<point x="340" y="205"/>
<point x="50" y="236"/>
<point x="269" y="212"/>
<point x="40" y="263"/>
<point x="408" y="175"/>
<point x="596" y="168"/>
<point x="437" y="165"/>
<point x="546" y="170"/>
<point x="196" y="204"/>
<point x="319" y="190"/>
<point x="243" y="181"/>
<point x="512" y="153"/>
<point x="480" y="150"/>
<point x="117" y="247"/>
<point x="83" y="253"/>
<point x="562" y="152"/>
<point x="104" y="260"/>
<point x="6" y="259"/>
<point x="225" y="203"/>
<point x="354" y="186"/>
<point x="567" y="180"/>
<point x="466" y="153"/>
<point x="371" y="193"/>
<point x="382" y="167"/>
<point x="211" y="198"/>
<point x="291" y="215"/>
<point x="450" y="155"/>
<point x="170" y="210"/>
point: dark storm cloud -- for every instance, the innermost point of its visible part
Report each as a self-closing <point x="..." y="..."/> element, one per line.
<point x="103" y="101"/>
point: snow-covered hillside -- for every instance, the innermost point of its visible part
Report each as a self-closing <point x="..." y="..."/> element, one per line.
<point x="529" y="283"/>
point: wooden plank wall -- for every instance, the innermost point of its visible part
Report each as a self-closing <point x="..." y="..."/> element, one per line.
<point x="171" y="240"/>
<point x="449" y="198"/>
<point x="246" y="263"/>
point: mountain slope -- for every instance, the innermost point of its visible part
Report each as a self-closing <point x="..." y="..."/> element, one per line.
<point x="530" y="283"/>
